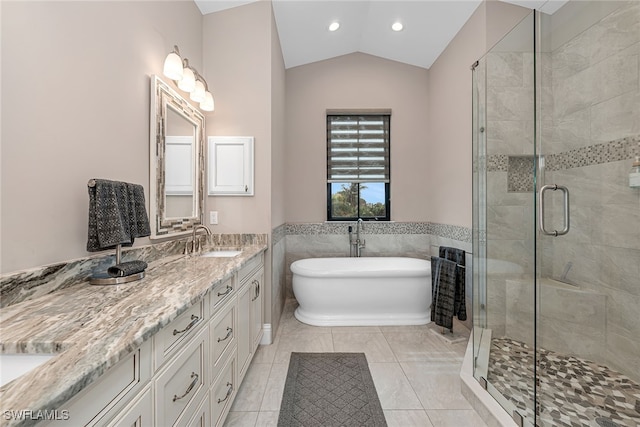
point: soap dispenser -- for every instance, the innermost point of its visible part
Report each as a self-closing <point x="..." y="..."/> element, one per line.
<point x="634" y="175"/>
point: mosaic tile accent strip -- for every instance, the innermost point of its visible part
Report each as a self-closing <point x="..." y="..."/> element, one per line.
<point x="573" y="392"/>
<point x="443" y="230"/>
<point x="520" y="174"/>
<point x="612" y="151"/>
<point x="23" y="285"/>
<point x="455" y="232"/>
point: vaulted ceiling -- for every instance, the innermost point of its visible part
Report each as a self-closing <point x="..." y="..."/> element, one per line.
<point x="365" y="26"/>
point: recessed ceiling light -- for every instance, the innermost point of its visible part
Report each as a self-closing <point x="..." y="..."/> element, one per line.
<point x="397" y="26"/>
<point x="334" y="26"/>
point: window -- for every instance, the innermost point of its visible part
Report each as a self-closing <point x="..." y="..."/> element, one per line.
<point x="358" y="167"/>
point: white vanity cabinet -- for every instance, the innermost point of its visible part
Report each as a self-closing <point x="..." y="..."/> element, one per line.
<point x="189" y="373"/>
<point x="250" y="298"/>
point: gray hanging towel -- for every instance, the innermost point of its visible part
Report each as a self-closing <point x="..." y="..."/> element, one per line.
<point x="458" y="256"/>
<point x="443" y="291"/>
<point x="117" y="214"/>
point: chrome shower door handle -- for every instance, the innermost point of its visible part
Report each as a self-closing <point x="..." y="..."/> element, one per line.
<point x="565" y="192"/>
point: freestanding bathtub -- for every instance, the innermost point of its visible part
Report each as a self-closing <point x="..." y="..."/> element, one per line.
<point x="362" y="291"/>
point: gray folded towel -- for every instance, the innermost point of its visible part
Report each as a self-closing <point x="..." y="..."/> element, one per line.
<point x="458" y="256"/>
<point x="443" y="291"/>
<point x="127" y="268"/>
<point x="117" y="214"/>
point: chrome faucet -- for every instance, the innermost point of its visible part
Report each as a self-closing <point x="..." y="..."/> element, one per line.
<point x="359" y="243"/>
<point x="194" y="245"/>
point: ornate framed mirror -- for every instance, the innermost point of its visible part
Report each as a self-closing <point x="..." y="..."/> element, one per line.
<point x="176" y="162"/>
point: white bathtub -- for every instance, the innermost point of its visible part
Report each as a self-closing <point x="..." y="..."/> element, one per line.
<point x="362" y="291"/>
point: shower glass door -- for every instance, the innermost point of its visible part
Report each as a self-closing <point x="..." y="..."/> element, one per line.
<point x="556" y="221"/>
<point x="504" y="224"/>
<point x="588" y="231"/>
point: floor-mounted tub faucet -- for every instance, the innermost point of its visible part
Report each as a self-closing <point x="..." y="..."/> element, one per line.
<point x="359" y="243"/>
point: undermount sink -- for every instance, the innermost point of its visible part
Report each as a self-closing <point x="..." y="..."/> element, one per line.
<point x="15" y="365"/>
<point x="221" y="254"/>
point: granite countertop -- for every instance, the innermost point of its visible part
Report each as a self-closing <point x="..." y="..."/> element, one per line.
<point x="94" y="327"/>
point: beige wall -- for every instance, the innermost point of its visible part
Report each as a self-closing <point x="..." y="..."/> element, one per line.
<point x="245" y="71"/>
<point x="238" y="69"/>
<point x="355" y="81"/>
<point x="277" y="129"/>
<point x="449" y="124"/>
<point x="75" y="105"/>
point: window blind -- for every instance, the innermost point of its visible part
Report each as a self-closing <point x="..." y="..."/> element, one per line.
<point x="358" y="148"/>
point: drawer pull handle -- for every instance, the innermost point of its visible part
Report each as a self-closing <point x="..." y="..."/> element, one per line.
<point x="194" y="320"/>
<point x="229" y="289"/>
<point x="191" y="386"/>
<point x="228" y="393"/>
<point x="256" y="290"/>
<point x="229" y="332"/>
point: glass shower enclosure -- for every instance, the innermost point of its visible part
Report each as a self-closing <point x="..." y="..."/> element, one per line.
<point x="556" y="221"/>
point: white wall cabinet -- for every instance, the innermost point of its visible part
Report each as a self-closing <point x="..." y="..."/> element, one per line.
<point x="231" y="165"/>
<point x="189" y="373"/>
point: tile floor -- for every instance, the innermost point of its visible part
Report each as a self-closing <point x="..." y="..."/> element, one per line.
<point x="416" y="373"/>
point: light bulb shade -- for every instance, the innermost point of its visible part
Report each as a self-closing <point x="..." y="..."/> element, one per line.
<point x="188" y="81"/>
<point x="173" y="66"/>
<point x="198" y="93"/>
<point x="207" y="103"/>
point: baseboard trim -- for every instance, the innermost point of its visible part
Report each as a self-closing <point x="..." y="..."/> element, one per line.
<point x="266" y="335"/>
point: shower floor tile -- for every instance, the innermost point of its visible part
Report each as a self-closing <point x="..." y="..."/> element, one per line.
<point x="573" y="392"/>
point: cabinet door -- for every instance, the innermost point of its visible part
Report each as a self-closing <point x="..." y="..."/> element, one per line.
<point x="231" y="165"/>
<point x="256" y="308"/>
<point x="244" y="324"/>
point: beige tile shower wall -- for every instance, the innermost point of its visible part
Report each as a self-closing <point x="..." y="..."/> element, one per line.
<point x="596" y="99"/>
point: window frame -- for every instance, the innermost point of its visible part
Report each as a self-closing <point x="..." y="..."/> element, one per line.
<point x="387" y="183"/>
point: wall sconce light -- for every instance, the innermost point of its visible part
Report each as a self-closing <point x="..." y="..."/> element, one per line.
<point x="188" y="79"/>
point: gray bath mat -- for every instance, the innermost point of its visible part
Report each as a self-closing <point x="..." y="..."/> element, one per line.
<point x="330" y="390"/>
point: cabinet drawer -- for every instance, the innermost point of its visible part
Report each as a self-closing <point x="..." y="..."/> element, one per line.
<point x="175" y="334"/>
<point x="138" y="413"/>
<point x="223" y="391"/>
<point x="106" y="397"/>
<point x="221" y="293"/>
<point x="248" y="268"/>
<point x="182" y="381"/>
<point x="223" y="333"/>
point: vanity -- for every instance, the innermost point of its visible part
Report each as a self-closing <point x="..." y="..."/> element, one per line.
<point x="170" y="349"/>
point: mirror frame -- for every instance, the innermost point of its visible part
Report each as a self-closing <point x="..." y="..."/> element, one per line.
<point x="162" y="96"/>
